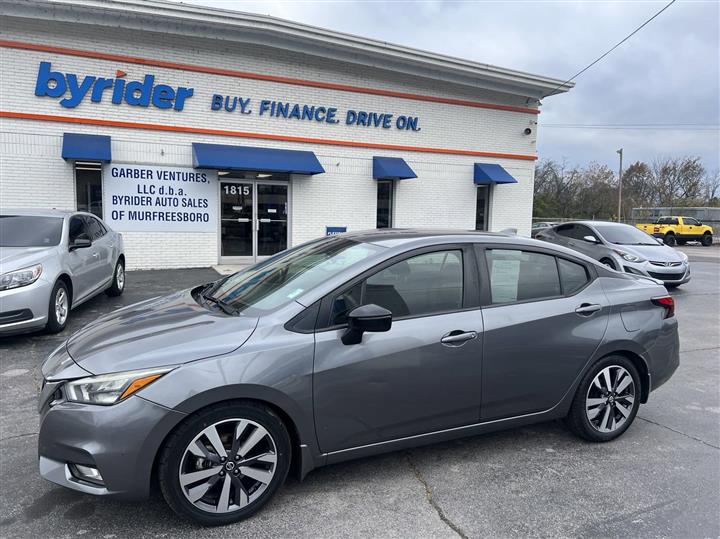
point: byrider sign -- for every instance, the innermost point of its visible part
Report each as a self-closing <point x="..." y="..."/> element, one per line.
<point x="159" y="199"/>
<point x="71" y="89"/>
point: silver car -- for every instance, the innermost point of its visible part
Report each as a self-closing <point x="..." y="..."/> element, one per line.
<point x="345" y="347"/>
<point x="622" y="248"/>
<point x="51" y="262"/>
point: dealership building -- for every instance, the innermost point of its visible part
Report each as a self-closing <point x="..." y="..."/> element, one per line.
<point x="211" y="137"/>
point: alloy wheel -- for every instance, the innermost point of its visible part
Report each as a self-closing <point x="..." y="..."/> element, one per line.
<point x="228" y="465"/>
<point x="61" y="306"/>
<point x="120" y="277"/>
<point x="610" y="399"/>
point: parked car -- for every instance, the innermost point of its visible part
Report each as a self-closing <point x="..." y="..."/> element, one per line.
<point x="51" y="262"/>
<point x="344" y="347"/>
<point x="676" y="230"/>
<point x="539" y="227"/>
<point x="622" y="248"/>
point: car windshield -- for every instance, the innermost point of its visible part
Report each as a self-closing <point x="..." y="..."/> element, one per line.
<point x="286" y="276"/>
<point x="30" y="231"/>
<point x="625" y="235"/>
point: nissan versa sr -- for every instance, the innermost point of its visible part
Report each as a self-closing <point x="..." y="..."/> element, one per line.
<point x="345" y="347"/>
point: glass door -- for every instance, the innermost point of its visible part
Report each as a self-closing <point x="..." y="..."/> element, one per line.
<point x="272" y="216"/>
<point x="237" y="221"/>
<point x="253" y="220"/>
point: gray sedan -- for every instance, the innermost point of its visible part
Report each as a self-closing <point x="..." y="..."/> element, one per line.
<point x="623" y="248"/>
<point x="51" y="262"/>
<point x="345" y="347"/>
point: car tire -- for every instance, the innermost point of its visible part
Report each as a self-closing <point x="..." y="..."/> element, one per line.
<point x="118" y="283"/>
<point x="210" y="498"/>
<point x="670" y="240"/>
<point x="58" y="308"/>
<point x="600" y="413"/>
<point x="608" y="262"/>
<point x="681" y="242"/>
<point x="707" y="240"/>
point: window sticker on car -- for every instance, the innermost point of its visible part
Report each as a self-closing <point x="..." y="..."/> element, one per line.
<point x="505" y="276"/>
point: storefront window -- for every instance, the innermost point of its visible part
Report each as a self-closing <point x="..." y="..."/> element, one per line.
<point x="481" y="210"/>
<point x="88" y="187"/>
<point x="385" y="193"/>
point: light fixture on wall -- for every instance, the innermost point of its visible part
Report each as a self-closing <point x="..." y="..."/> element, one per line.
<point x="223" y="172"/>
<point x="264" y="175"/>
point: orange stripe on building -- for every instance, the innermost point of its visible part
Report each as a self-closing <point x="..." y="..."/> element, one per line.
<point x="259" y="76"/>
<point x="251" y="135"/>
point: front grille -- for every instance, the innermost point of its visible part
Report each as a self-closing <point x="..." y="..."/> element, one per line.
<point x="666" y="276"/>
<point x="665" y="264"/>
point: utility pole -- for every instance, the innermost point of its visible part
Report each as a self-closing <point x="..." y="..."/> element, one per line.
<point x="620" y="153"/>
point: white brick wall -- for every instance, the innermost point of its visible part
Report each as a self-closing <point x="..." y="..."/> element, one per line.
<point x="33" y="174"/>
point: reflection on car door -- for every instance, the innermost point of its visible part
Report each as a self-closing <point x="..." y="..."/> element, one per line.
<point x="81" y="261"/>
<point x="101" y="251"/>
<point x="405" y="381"/>
<point x="544" y="318"/>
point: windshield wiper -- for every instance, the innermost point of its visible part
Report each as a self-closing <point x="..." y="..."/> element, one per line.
<point x="224" y="305"/>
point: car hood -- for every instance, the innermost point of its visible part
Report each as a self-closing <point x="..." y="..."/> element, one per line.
<point x="660" y="253"/>
<point x="168" y="330"/>
<point x="15" y="258"/>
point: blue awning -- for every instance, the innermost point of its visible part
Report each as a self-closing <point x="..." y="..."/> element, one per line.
<point x="222" y="157"/>
<point x="392" y="168"/>
<point x="86" y="147"/>
<point x="489" y="173"/>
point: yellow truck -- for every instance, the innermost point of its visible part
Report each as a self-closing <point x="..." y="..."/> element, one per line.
<point x="676" y="230"/>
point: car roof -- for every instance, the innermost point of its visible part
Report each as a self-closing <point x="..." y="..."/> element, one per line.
<point x="401" y="236"/>
<point x="593" y="223"/>
<point x="37" y="212"/>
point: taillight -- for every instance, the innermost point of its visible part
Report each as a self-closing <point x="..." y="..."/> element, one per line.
<point x="668" y="303"/>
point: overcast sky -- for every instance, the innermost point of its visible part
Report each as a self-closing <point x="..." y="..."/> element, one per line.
<point x="668" y="73"/>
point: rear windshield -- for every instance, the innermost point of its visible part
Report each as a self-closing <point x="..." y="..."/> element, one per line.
<point x="30" y="231"/>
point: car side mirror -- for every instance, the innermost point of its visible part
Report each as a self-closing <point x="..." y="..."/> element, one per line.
<point x="369" y="317"/>
<point x="591" y="239"/>
<point x="80" y="243"/>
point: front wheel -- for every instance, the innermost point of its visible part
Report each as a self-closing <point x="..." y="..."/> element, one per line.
<point x="224" y="463"/>
<point x="58" y="309"/>
<point x="606" y="401"/>
<point x="118" y="284"/>
<point x="707" y="240"/>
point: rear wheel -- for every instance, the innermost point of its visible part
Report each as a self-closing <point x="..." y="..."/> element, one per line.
<point x="670" y="240"/>
<point x="224" y="463"/>
<point x="606" y="401"/>
<point x="118" y="284"/>
<point x="707" y="240"/>
<point x="58" y="309"/>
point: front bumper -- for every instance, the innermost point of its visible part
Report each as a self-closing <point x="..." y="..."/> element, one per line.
<point x="121" y="441"/>
<point x="672" y="275"/>
<point x="16" y="302"/>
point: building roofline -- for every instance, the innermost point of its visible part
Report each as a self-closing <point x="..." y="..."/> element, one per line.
<point x="201" y="21"/>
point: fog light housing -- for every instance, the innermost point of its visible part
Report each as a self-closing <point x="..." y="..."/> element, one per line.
<point x="86" y="473"/>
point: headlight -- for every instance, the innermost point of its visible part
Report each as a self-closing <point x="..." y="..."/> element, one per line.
<point x="109" y="389"/>
<point x="683" y="256"/>
<point x="629" y="256"/>
<point x="22" y="277"/>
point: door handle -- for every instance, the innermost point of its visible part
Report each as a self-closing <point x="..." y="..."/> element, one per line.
<point x="458" y="337"/>
<point x="95" y="255"/>
<point x="587" y="309"/>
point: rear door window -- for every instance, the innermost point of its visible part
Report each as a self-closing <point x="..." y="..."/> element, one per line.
<point x="94" y="228"/>
<point x="517" y="275"/>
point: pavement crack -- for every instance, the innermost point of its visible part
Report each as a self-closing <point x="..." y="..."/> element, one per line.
<point x="431" y="500"/>
<point x="679" y="432"/>
<point x="18" y="436"/>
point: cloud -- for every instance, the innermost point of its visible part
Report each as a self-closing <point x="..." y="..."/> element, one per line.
<point x="668" y="73"/>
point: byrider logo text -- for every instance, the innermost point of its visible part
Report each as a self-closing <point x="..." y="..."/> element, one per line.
<point x="74" y="89"/>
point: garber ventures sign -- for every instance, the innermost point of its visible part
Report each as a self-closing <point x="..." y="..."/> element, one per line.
<point x="72" y="89"/>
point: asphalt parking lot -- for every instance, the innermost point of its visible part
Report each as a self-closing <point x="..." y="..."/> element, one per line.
<point x="661" y="479"/>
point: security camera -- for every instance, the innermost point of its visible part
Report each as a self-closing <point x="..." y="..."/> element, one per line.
<point x="527" y="131"/>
